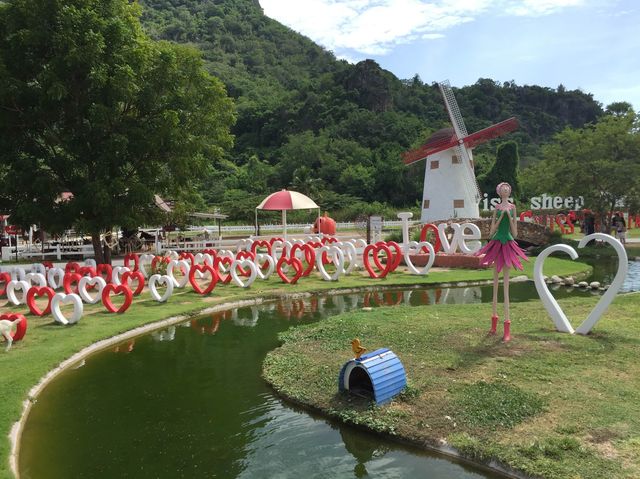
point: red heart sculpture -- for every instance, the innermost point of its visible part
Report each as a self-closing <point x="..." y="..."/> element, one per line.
<point x="203" y="268"/>
<point x="72" y="268"/>
<point x="104" y="270"/>
<point x="4" y="278"/>
<point x="136" y="276"/>
<point x="113" y="289"/>
<point x="189" y="256"/>
<point x="226" y="279"/>
<point x="274" y="239"/>
<point x="21" y="330"/>
<point x="88" y="271"/>
<point x="315" y="244"/>
<point x="245" y="255"/>
<point x="261" y="243"/>
<point x="328" y="239"/>
<point x="309" y="256"/>
<point x="39" y="291"/>
<point x="47" y="264"/>
<point x="376" y="248"/>
<point x="397" y="255"/>
<point x="69" y="280"/>
<point x="295" y="263"/>
<point x="211" y="252"/>
<point x="136" y="261"/>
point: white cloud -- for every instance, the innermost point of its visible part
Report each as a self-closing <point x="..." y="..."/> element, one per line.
<point x="374" y="27"/>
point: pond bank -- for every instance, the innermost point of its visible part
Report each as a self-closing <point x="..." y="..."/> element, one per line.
<point x="547" y="404"/>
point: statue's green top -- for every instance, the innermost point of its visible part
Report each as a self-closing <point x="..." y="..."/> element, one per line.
<point x="503" y="234"/>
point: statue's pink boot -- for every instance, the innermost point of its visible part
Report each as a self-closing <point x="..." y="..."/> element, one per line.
<point x="494" y="325"/>
<point x="507" y="331"/>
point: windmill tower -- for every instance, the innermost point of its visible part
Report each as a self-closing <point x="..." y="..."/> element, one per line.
<point x="450" y="186"/>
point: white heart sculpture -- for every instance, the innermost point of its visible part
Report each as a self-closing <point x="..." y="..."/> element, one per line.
<point x="157" y="279"/>
<point x="184" y="266"/>
<point x="91" y="281"/>
<point x="145" y="260"/>
<point x="274" y="247"/>
<point x="17" y="273"/>
<point x="286" y="248"/>
<point x="116" y="274"/>
<point x="199" y="258"/>
<point x="551" y="305"/>
<point x="12" y="287"/>
<point x="38" y="268"/>
<point x="413" y="247"/>
<point x="259" y="262"/>
<point x="173" y="255"/>
<point x="244" y="264"/>
<point x="350" y="255"/>
<point x="55" y="277"/>
<point x="90" y="262"/>
<point x="61" y="298"/>
<point x="35" y="278"/>
<point x="337" y="256"/>
<point x="208" y="259"/>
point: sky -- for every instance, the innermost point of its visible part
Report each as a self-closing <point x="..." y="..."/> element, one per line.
<point x="591" y="45"/>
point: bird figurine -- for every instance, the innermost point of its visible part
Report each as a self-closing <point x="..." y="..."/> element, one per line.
<point x="357" y="349"/>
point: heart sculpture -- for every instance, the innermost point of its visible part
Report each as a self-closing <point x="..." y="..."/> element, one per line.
<point x="116" y="274"/>
<point x="87" y="271"/>
<point x="375" y="249"/>
<point x="4" y="278"/>
<point x="132" y="258"/>
<point x="156" y="280"/>
<point x="55" y="277"/>
<point x="62" y="298"/>
<point x="184" y="267"/>
<point x="413" y="247"/>
<point x="293" y="263"/>
<point x="219" y="265"/>
<point x="90" y="262"/>
<point x="137" y="276"/>
<point x="199" y="258"/>
<point x="104" y="271"/>
<point x="243" y="265"/>
<point x="551" y="305"/>
<point x="309" y="256"/>
<point x="145" y="260"/>
<point x="350" y="256"/>
<point x="17" y="273"/>
<point x="269" y="265"/>
<point x="71" y="267"/>
<point x="188" y="257"/>
<point x="277" y="245"/>
<point x="337" y="258"/>
<point x="201" y="270"/>
<point x="12" y="287"/>
<point x="172" y="255"/>
<point x="95" y="281"/>
<point x="328" y="240"/>
<point x="39" y="291"/>
<point x="396" y="255"/>
<point x="209" y="259"/>
<point x="245" y="255"/>
<point x="35" y="279"/>
<point x="68" y="283"/>
<point x="21" y="329"/>
<point x="39" y="268"/>
<point x="261" y="244"/>
<point x="110" y="289"/>
<point x="161" y="259"/>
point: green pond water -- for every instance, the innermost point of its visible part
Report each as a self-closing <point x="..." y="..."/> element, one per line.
<point x="189" y="402"/>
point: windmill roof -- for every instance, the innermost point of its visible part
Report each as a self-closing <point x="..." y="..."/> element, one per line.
<point x="445" y="135"/>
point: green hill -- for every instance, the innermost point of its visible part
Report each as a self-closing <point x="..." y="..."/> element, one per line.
<point x="332" y="129"/>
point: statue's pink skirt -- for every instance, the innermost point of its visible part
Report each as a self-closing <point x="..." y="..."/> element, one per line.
<point x="502" y="254"/>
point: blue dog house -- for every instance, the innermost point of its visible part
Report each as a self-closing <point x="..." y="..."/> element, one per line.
<point x="379" y="375"/>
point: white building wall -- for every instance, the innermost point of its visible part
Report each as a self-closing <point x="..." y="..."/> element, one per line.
<point x="443" y="185"/>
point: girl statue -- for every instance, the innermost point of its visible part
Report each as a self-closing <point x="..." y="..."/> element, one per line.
<point x="503" y="252"/>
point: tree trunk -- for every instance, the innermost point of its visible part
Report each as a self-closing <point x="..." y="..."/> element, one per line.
<point x="97" y="248"/>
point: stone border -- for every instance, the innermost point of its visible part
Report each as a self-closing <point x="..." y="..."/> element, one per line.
<point x="17" y="428"/>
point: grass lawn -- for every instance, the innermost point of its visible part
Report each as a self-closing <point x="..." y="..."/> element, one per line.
<point x="547" y="404"/>
<point x="47" y="344"/>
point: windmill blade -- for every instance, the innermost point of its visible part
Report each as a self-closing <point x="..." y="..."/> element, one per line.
<point x="471" y="184"/>
<point x="452" y="108"/>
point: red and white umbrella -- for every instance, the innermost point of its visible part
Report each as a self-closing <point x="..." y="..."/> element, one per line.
<point x="286" y="200"/>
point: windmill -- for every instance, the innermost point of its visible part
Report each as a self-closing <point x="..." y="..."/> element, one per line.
<point x="450" y="186"/>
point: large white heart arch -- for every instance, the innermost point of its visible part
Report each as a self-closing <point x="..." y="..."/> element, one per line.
<point x="551" y="305"/>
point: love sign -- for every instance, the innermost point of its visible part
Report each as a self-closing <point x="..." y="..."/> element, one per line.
<point x="558" y="316"/>
<point x="458" y="240"/>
